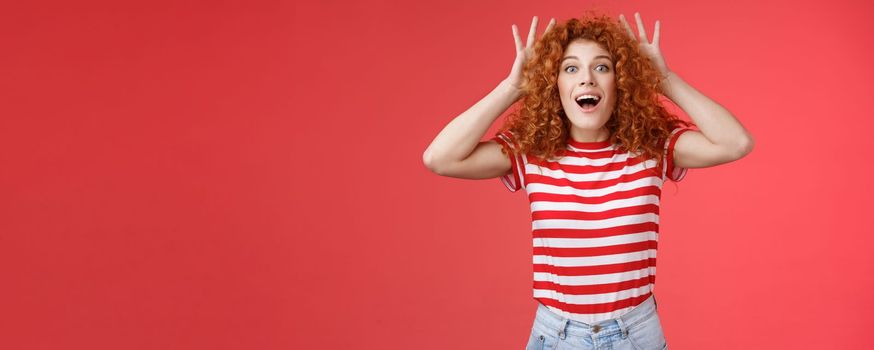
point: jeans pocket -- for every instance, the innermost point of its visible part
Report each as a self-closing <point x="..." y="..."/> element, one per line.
<point x="540" y="340"/>
<point x="647" y="334"/>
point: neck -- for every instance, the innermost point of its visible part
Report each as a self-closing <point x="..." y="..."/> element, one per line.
<point x="583" y="135"/>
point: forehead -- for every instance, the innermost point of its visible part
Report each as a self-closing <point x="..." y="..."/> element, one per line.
<point x="584" y="50"/>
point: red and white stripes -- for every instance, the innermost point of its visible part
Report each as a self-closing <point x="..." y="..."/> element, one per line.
<point x="594" y="220"/>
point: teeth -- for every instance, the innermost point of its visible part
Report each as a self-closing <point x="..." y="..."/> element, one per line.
<point x="596" y="98"/>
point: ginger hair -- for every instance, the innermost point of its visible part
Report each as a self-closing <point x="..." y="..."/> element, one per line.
<point x="639" y="123"/>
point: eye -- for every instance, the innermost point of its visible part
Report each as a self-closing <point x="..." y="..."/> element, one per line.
<point x="569" y="67"/>
<point x="602" y="68"/>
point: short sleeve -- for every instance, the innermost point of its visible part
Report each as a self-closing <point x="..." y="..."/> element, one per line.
<point x="670" y="171"/>
<point x="514" y="180"/>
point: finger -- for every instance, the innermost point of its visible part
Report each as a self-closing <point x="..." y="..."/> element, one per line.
<point x="516" y="38"/>
<point x="627" y="27"/>
<point x="549" y="26"/>
<point x="655" y="36"/>
<point x="532" y="32"/>
<point x="640" y="29"/>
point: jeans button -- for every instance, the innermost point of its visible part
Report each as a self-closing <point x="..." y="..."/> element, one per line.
<point x="596" y="328"/>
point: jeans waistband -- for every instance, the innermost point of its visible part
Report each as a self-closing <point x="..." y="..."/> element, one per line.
<point x="563" y="325"/>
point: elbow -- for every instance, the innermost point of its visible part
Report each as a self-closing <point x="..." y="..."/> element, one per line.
<point x="428" y="160"/>
<point x="745" y="146"/>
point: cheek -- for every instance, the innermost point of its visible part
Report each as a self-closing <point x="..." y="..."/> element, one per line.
<point x="564" y="90"/>
<point x="609" y="83"/>
<point x="610" y="87"/>
<point x="563" y="85"/>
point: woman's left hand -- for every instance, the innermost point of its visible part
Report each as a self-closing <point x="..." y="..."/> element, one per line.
<point x="650" y="49"/>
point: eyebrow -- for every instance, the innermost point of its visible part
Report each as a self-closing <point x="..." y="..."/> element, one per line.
<point x="577" y="58"/>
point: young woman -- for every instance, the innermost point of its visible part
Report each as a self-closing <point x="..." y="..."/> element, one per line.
<point x="592" y="146"/>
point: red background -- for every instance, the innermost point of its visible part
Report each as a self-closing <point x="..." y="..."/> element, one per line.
<point x="248" y="175"/>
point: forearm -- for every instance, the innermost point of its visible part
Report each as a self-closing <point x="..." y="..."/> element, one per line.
<point x="459" y="138"/>
<point x="717" y="124"/>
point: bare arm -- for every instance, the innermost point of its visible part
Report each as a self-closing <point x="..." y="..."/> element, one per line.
<point x="457" y="141"/>
<point x="722" y="138"/>
<point x="457" y="150"/>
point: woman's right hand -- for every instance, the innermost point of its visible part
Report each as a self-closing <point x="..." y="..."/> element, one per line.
<point x="524" y="53"/>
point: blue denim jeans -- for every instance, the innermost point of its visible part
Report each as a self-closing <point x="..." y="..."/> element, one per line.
<point x="639" y="329"/>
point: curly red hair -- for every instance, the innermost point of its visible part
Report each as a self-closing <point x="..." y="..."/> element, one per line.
<point x="639" y="123"/>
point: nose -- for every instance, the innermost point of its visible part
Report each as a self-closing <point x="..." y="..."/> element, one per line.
<point x="586" y="77"/>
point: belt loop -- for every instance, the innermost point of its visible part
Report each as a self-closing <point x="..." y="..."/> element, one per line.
<point x="562" y="333"/>
<point x="622" y="327"/>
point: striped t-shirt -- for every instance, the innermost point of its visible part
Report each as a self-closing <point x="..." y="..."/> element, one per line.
<point x="595" y="224"/>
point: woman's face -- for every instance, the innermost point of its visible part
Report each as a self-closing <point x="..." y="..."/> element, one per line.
<point x="587" y="87"/>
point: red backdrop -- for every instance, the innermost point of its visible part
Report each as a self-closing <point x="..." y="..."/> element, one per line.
<point x="248" y="175"/>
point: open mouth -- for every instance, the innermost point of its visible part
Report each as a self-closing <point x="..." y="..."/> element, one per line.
<point x="588" y="102"/>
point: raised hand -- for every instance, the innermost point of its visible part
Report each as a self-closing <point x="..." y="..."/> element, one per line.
<point x="524" y="53"/>
<point x="650" y="49"/>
